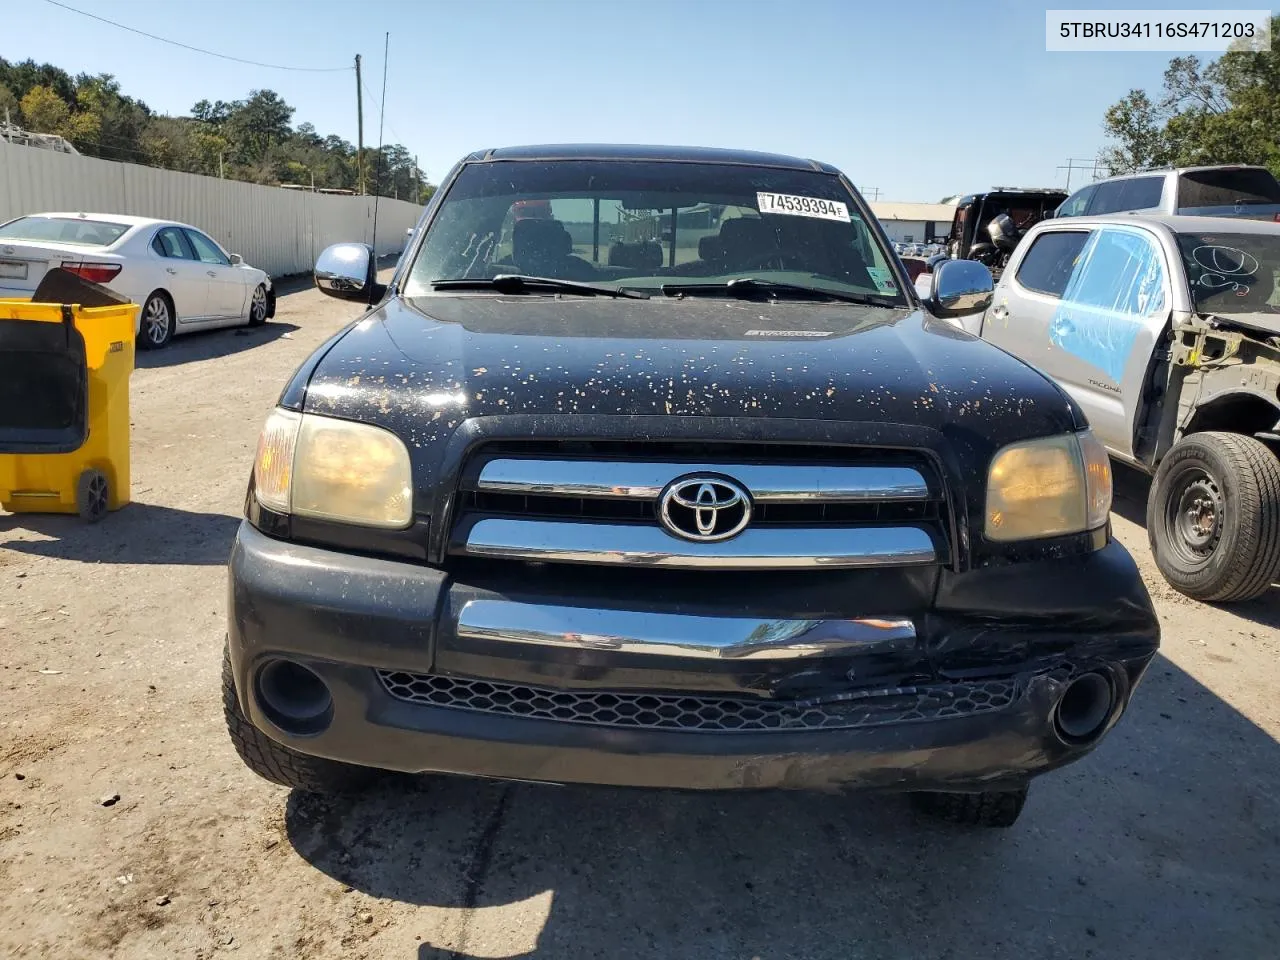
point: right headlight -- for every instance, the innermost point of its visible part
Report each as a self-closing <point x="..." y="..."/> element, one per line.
<point x="1048" y="487"/>
<point x="331" y="469"/>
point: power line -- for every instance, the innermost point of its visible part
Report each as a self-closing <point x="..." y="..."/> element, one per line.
<point x="185" y="46"/>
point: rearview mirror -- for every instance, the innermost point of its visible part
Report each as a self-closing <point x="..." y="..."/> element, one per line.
<point x="346" y="271"/>
<point x="960" y="287"/>
<point x="236" y="259"/>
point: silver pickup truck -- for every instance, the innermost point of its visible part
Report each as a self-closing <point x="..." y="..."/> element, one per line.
<point x="1166" y="331"/>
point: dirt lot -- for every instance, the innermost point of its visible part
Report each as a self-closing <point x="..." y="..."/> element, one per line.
<point x="1164" y="843"/>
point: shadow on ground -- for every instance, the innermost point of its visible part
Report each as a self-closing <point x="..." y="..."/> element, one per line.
<point x="1131" y="488"/>
<point x="138" y="533"/>
<point x="207" y="344"/>
<point x="1163" y="843"/>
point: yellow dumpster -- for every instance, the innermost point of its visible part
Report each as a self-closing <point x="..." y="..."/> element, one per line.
<point x="64" y="405"/>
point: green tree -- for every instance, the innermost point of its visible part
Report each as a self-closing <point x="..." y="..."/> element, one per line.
<point x="257" y="124"/>
<point x="43" y="111"/>
<point x="1226" y="111"/>
<point x="8" y="103"/>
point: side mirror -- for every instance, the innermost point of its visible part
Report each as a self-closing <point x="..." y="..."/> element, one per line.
<point x="960" y="287"/>
<point x="236" y="259"/>
<point x="346" y="271"/>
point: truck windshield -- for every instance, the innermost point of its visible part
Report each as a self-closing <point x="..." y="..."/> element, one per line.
<point x="643" y="224"/>
<point x="1232" y="274"/>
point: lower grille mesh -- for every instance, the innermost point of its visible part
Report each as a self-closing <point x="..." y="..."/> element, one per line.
<point x="707" y="713"/>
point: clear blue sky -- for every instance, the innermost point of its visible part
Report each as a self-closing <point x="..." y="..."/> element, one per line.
<point x="920" y="98"/>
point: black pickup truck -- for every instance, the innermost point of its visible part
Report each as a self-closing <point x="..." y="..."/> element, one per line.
<point x="648" y="467"/>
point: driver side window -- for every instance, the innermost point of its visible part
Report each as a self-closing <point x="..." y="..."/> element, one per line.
<point x="1077" y="203"/>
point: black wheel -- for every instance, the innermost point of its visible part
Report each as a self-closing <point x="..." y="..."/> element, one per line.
<point x="276" y="762"/>
<point x="1213" y="517"/>
<point x="992" y="808"/>
<point x="258" y="306"/>
<point x="155" y="329"/>
<point x="92" y="495"/>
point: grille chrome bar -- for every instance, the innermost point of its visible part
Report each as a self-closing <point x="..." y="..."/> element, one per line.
<point x="645" y="480"/>
<point x="679" y="635"/>
<point x="758" y="548"/>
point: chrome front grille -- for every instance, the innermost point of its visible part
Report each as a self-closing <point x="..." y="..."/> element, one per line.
<point x="653" y="711"/>
<point x="808" y="508"/>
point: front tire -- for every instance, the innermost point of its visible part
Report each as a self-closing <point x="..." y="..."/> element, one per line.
<point x="258" y="306"/>
<point x="1213" y="517"/>
<point x="991" y="808"/>
<point x="155" y="328"/>
<point x="276" y="762"/>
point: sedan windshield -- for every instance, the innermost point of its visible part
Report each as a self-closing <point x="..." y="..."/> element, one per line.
<point x="1232" y="273"/>
<point x="89" y="233"/>
<point x="641" y="225"/>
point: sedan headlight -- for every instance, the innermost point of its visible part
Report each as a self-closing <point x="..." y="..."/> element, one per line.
<point x="312" y="466"/>
<point x="1048" y="487"/>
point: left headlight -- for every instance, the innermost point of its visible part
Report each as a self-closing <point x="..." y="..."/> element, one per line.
<point x="1048" y="487"/>
<point x="312" y="466"/>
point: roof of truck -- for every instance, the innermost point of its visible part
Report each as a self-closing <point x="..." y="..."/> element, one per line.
<point x="623" y="151"/>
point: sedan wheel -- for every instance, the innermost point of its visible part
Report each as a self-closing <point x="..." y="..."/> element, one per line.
<point x="258" y="307"/>
<point x="156" y="329"/>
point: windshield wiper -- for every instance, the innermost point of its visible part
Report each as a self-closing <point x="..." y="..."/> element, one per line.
<point x="520" y="283"/>
<point x="752" y="287"/>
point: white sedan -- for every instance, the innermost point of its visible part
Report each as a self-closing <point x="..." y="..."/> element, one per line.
<point x="182" y="278"/>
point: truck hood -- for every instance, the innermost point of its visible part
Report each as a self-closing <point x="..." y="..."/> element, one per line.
<point x="422" y="366"/>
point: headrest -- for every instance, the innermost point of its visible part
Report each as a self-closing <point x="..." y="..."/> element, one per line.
<point x="547" y="237"/>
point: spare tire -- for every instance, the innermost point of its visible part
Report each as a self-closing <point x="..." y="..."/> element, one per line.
<point x="1213" y="517"/>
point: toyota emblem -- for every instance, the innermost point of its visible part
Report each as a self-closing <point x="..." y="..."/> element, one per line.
<point x="704" y="509"/>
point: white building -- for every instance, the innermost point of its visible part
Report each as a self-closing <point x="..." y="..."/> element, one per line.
<point x="914" y="222"/>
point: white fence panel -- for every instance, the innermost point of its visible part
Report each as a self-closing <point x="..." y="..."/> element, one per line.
<point x="280" y="231"/>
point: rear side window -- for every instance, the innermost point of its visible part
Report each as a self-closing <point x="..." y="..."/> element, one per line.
<point x="1047" y="266"/>
<point x="89" y="233"/>
<point x="169" y="243"/>
<point x="1226" y="188"/>
<point x="1141" y="193"/>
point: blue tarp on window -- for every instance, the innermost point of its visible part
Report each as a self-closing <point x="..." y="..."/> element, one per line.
<point x="1117" y="282"/>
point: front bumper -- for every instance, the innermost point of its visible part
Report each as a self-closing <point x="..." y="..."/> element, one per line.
<point x="879" y="655"/>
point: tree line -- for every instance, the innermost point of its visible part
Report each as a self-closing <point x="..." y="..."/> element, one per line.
<point x="249" y="139"/>
<point x="1225" y="111"/>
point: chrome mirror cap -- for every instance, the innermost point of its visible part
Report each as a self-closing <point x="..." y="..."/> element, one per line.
<point x="960" y="287"/>
<point x="345" y="271"/>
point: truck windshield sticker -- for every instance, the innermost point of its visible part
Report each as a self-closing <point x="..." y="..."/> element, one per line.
<point x="802" y="206"/>
<point x="882" y="279"/>
<point x="1117" y="282"/>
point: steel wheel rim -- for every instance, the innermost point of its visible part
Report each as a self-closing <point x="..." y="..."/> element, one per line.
<point x="258" y="310"/>
<point x="1193" y="516"/>
<point x="156" y="318"/>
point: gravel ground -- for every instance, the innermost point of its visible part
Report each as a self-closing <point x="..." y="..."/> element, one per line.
<point x="129" y="828"/>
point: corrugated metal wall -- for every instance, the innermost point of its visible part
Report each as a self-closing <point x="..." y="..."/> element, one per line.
<point x="279" y="231"/>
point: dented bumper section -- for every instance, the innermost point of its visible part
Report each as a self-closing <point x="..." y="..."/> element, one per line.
<point x="912" y="678"/>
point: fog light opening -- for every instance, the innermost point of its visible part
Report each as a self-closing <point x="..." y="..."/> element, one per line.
<point x="294" y="698"/>
<point x="1084" y="708"/>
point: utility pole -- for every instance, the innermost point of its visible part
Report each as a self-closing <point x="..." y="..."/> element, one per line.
<point x="220" y="176"/>
<point x="359" y="130"/>
<point x="417" y="187"/>
<point x="872" y="193"/>
<point x="1083" y="164"/>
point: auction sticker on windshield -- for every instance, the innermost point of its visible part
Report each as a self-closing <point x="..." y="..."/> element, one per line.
<point x="802" y="206"/>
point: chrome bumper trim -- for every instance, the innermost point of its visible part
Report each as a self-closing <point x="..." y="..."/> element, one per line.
<point x="756" y="548"/>
<point x="679" y="635"/>
<point x="630" y="480"/>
